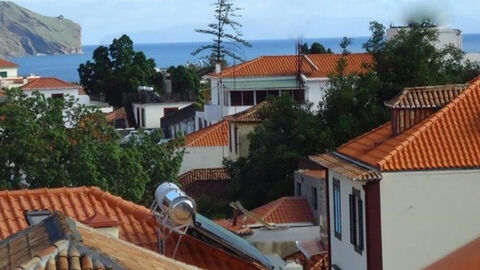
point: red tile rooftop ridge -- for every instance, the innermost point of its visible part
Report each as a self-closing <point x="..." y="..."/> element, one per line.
<point x="455" y="128"/>
<point x="136" y="223"/>
<point x="314" y="66"/>
<point x="5" y="63"/>
<point x="214" y="135"/>
<point x="47" y="83"/>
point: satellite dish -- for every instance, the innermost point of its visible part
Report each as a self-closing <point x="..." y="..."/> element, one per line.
<point x="175" y="204"/>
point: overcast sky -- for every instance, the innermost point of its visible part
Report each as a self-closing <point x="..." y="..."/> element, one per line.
<point x="150" y="21"/>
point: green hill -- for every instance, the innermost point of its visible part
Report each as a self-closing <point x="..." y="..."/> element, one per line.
<point x="24" y="32"/>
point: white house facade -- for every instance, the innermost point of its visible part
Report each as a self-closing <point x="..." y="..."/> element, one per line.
<point x="404" y="195"/>
<point x="304" y="77"/>
<point x="149" y="115"/>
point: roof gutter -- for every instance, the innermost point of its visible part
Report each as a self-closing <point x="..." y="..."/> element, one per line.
<point x="356" y="162"/>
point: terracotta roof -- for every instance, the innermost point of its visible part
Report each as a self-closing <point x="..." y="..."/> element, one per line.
<point x="60" y="243"/>
<point x="137" y="224"/>
<point x="346" y="168"/>
<point x="318" y="174"/>
<point x="449" y="138"/>
<point x="48" y="83"/>
<point x="281" y="211"/>
<point x="5" y="63"/>
<point x="214" y="135"/>
<point x="464" y="258"/>
<point x="313" y="65"/>
<point x="100" y="221"/>
<point x="116" y="114"/>
<point x="250" y="115"/>
<point x="210" y="182"/>
<point x="426" y="96"/>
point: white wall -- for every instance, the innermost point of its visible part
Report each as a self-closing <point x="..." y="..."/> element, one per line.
<point x="343" y="253"/>
<point x="154" y="112"/>
<point x="203" y="158"/>
<point x="11" y="71"/>
<point x="315" y="90"/>
<point x="426" y="215"/>
<point x="82" y="99"/>
<point x="307" y="183"/>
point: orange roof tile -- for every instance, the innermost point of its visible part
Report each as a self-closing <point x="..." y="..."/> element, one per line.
<point x="318" y="174"/>
<point x="116" y="114"/>
<point x="214" y="135"/>
<point x="61" y="243"/>
<point x="346" y="168"/>
<point x="250" y="115"/>
<point x="281" y="211"/>
<point x="464" y="258"/>
<point x="313" y="65"/>
<point x="210" y="182"/>
<point x="48" y="83"/>
<point x="137" y="224"/>
<point x="449" y="138"/>
<point x="5" y="63"/>
<point x="426" y="96"/>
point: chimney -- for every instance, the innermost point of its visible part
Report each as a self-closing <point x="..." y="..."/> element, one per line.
<point x="218" y="68"/>
<point x="103" y="224"/>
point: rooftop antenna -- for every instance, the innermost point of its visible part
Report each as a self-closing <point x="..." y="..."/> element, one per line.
<point x="300" y="56"/>
<point x="175" y="211"/>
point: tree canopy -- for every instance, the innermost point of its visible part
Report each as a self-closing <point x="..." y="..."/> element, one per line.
<point x="185" y="81"/>
<point x="224" y="29"/>
<point x="315" y="48"/>
<point x="48" y="142"/>
<point x="288" y="132"/>
<point x="116" y="72"/>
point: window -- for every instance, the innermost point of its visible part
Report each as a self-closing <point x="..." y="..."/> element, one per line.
<point x="337" y="210"/>
<point x="36" y="216"/>
<point x="235" y="138"/>
<point x="143" y="117"/>
<point x="261" y="96"/>
<point x="247" y="98"/>
<point x="3" y="74"/>
<point x="356" y="220"/>
<point x="138" y="116"/>
<point x="236" y="98"/>
<point x="230" y="138"/>
<point x="299" y="189"/>
<point x="57" y="96"/>
<point x="314" y="199"/>
<point x="299" y="95"/>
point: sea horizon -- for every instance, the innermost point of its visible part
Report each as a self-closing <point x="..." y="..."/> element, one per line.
<point x="168" y="54"/>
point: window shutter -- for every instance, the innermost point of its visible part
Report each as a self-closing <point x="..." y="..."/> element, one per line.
<point x="352" y="218"/>
<point x="360" y="224"/>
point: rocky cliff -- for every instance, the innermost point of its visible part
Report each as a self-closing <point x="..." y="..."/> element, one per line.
<point x="24" y="32"/>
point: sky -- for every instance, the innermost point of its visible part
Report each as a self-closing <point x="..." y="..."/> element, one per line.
<point x="153" y="21"/>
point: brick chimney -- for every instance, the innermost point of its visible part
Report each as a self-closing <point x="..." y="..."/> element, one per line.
<point x="103" y="224"/>
<point x="415" y="104"/>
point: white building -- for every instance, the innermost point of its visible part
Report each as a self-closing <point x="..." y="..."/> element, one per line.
<point x="8" y="69"/>
<point x="148" y="115"/>
<point x="405" y="194"/>
<point x="310" y="184"/>
<point x="56" y="88"/>
<point x="303" y="77"/>
<point x="446" y="36"/>
<point x="206" y="148"/>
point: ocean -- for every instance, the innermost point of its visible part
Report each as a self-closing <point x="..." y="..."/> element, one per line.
<point x="168" y="54"/>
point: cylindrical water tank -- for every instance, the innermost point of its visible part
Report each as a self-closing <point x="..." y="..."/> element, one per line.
<point x="179" y="206"/>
